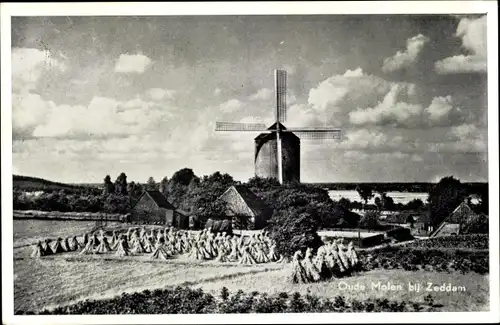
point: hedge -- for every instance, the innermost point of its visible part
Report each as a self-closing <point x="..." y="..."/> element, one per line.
<point x="432" y="259"/>
<point x="476" y="241"/>
<point x="183" y="300"/>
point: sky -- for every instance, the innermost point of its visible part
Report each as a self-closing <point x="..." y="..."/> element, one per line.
<point x="93" y="96"/>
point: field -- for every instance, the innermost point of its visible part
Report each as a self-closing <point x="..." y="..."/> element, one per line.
<point x="67" y="278"/>
<point x="61" y="280"/>
<point x="29" y="231"/>
<point x="398" y="197"/>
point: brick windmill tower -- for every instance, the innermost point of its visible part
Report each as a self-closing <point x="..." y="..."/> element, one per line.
<point x="277" y="149"/>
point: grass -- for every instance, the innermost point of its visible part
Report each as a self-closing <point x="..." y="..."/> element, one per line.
<point x="476" y="298"/>
<point x="66" y="278"/>
<point x="29" y="231"/>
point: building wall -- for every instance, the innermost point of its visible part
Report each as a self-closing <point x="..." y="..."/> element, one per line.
<point x="265" y="157"/>
<point x="147" y="211"/>
<point x="266" y="164"/>
<point x="290" y="145"/>
<point x="449" y="229"/>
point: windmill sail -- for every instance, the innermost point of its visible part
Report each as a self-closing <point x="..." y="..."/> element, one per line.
<point x="280" y="90"/>
<point x="230" y="126"/>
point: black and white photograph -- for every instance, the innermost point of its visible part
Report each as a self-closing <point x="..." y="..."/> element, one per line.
<point x="253" y="161"/>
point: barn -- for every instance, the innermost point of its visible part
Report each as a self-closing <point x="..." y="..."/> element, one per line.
<point x="242" y="202"/>
<point x="455" y="222"/>
<point x="153" y="207"/>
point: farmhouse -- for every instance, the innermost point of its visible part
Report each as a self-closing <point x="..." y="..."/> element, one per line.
<point x="242" y="202"/>
<point x="153" y="207"/>
<point x="454" y="223"/>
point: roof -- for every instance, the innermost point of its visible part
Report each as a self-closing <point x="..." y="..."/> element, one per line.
<point x="255" y="204"/>
<point x="461" y="215"/>
<point x="159" y="199"/>
<point x="272" y="135"/>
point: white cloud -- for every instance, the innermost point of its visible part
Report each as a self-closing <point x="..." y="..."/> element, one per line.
<point x="231" y="106"/>
<point x="473" y="34"/>
<point x="354" y="73"/>
<point x="136" y="63"/>
<point x="461" y="63"/>
<point x="217" y="91"/>
<point x="103" y="116"/>
<point x="464" y="138"/>
<point x="28" y="64"/>
<point x="439" y="108"/>
<point x="369" y="139"/>
<point x="262" y="95"/>
<point x="404" y="59"/>
<point x="158" y="94"/>
<point x="342" y="93"/>
<point x="390" y="110"/>
<point x="28" y="110"/>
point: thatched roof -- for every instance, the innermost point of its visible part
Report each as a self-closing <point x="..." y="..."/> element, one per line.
<point x="462" y="215"/>
<point x="159" y="199"/>
<point x="244" y="201"/>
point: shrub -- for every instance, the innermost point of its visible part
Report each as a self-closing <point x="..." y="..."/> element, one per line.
<point x="410" y="258"/>
<point x="181" y="300"/>
<point x="294" y="229"/>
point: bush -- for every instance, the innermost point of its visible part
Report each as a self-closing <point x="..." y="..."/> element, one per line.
<point x="181" y="300"/>
<point x="476" y="241"/>
<point x="411" y="258"/>
<point x="294" y="229"/>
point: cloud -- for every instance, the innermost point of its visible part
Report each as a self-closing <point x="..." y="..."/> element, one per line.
<point x="473" y="34"/>
<point x="395" y="110"/>
<point x="158" y="94"/>
<point x="370" y="140"/>
<point x="102" y="117"/>
<point x="28" y="110"/>
<point x="217" y="91"/>
<point x="463" y="138"/>
<point x="231" y="106"/>
<point x="390" y="110"/>
<point x="340" y="94"/>
<point x="439" y="108"/>
<point x="262" y="95"/>
<point x="136" y="63"/>
<point x="404" y="59"/>
<point x="28" y="65"/>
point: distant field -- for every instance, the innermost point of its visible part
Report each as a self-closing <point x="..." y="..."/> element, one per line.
<point x="29" y="183"/>
<point x="31" y="230"/>
<point x="399" y="197"/>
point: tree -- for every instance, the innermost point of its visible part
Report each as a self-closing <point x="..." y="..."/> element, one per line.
<point x="345" y="203"/>
<point x="411" y="221"/>
<point x="163" y="186"/>
<point x="109" y="187"/>
<point x="448" y="193"/>
<point x="183" y="176"/>
<point x="151" y="184"/>
<point x="365" y="192"/>
<point x="369" y="220"/>
<point x="379" y="203"/>
<point x="121" y="184"/>
<point x="415" y="204"/>
<point x="388" y="202"/>
<point x="294" y="229"/>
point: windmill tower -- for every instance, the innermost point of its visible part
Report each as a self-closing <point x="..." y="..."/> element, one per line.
<point x="277" y="149"/>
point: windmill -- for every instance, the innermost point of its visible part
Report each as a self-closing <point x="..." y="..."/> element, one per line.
<point x="277" y="151"/>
